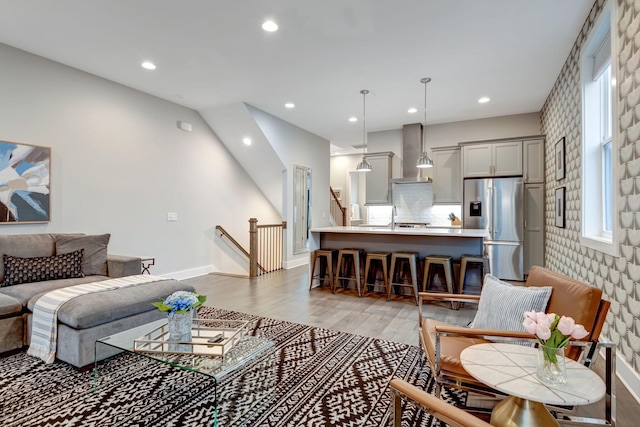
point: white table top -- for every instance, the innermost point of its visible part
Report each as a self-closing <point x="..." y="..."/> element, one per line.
<point x="449" y="232"/>
<point x="511" y="369"/>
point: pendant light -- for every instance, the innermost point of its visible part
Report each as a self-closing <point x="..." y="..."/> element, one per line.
<point x="364" y="166"/>
<point x="424" y="161"/>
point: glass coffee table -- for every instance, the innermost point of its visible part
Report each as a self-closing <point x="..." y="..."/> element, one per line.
<point x="246" y="372"/>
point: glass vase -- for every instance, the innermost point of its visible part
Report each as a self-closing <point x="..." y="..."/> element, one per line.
<point x="551" y="365"/>
<point x="180" y="330"/>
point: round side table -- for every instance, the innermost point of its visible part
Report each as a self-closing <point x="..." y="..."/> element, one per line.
<point x="511" y="369"/>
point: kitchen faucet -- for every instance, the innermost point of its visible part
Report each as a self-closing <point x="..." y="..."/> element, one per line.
<point x="394" y="212"/>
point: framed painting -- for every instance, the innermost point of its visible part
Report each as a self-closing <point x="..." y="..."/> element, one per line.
<point x="24" y="183"/>
<point x="560" y="159"/>
<point x="560" y="207"/>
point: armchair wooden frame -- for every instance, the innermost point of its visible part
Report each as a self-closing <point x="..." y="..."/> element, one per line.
<point x="401" y="390"/>
<point x="584" y="351"/>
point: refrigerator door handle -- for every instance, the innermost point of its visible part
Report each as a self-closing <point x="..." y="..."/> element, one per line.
<point x="494" y="213"/>
<point x="490" y="213"/>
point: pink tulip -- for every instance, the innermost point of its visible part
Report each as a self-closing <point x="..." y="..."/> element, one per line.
<point x="579" y="332"/>
<point x="543" y="332"/>
<point x="566" y="325"/>
<point x="530" y="325"/>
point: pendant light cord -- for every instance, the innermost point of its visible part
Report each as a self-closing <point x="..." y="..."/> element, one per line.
<point x="364" y="93"/>
<point x="425" y="80"/>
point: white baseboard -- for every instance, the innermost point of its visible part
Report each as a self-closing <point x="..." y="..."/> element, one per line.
<point x="627" y="376"/>
<point x="297" y="262"/>
<point x="187" y="274"/>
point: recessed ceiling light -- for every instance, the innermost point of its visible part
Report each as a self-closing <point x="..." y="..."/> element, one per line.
<point x="246" y="141"/>
<point x="412" y="110"/>
<point x="353" y="119"/>
<point x="148" y="65"/>
<point x="484" y="100"/>
<point x="270" y="26"/>
<point x="289" y="105"/>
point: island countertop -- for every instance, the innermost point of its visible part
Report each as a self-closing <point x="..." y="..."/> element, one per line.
<point x="453" y="242"/>
<point x="400" y="231"/>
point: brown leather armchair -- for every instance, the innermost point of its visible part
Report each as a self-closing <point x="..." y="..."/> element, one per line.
<point x="444" y="342"/>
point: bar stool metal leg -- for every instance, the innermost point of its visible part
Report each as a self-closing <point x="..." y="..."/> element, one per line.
<point x="357" y="260"/>
<point x="319" y="255"/>
<point x="411" y="258"/>
<point x="383" y="258"/>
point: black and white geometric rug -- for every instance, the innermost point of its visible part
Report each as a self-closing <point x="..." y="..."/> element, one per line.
<point x="315" y="377"/>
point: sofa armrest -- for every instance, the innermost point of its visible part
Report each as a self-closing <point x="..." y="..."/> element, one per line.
<point x="120" y="266"/>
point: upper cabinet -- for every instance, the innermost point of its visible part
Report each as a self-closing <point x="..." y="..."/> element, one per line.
<point x="533" y="161"/>
<point x="492" y="159"/>
<point x="377" y="181"/>
<point x="447" y="182"/>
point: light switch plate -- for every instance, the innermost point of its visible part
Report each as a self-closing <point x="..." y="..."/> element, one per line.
<point x="172" y="216"/>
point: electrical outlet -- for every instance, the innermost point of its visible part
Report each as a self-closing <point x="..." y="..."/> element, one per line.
<point x="172" y="216"/>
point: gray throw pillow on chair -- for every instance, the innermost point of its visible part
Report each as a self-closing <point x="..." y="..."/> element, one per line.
<point x="502" y="305"/>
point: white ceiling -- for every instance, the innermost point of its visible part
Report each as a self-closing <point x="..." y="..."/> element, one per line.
<point x="212" y="53"/>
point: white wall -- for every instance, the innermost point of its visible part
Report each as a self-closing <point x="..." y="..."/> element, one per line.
<point x="119" y="164"/>
<point x="296" y="146"/>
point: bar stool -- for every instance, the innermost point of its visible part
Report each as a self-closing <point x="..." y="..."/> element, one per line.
<point x="348" y="256"/>
<point x="447" y="264"/>
<point x="465" y="260"/>
<point x="383" y="258"/>
<point x="412" y="259"/>
<point x="328" y="256"/>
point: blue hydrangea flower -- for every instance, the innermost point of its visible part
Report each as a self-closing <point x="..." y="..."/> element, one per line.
<point x="181" y="302"/>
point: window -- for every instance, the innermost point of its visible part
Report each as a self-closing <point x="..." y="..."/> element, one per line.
<point x="599" y="116"/>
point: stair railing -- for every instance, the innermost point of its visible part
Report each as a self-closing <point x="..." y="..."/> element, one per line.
<point x="266" y="246"/>
<point x="337" y="211"/>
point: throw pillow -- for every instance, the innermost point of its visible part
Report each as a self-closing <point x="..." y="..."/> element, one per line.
<point x="95" y="251"/>
<point x="502" y="305"/>
<point x="27" y="270"/>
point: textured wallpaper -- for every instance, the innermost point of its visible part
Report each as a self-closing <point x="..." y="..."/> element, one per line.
<point x="619" y="277"/>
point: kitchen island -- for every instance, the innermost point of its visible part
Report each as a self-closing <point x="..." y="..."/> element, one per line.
<point x="454" y="242"/>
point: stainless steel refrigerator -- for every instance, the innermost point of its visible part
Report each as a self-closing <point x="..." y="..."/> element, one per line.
<point x="496" y="205"/>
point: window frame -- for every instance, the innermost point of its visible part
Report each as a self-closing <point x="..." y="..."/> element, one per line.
<point x="593" y="215"/>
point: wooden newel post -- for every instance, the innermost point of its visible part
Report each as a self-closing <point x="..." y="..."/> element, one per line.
<point x="253" y="247"/>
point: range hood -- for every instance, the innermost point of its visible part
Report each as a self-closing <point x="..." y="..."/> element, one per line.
<point x="411" y="152"/>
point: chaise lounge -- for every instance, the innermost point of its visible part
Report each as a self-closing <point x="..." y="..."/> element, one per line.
<point x="35" y="264"/>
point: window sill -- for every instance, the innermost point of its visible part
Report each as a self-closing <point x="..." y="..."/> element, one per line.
<point x="602" y="244"/>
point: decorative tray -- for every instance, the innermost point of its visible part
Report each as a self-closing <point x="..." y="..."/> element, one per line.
<point x="202" y="331"/>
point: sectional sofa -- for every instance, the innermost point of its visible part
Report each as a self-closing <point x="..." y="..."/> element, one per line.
<point x="34" y="264"/>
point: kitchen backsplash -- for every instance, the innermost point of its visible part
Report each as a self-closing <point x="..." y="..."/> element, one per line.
<point x="434" y="214"/>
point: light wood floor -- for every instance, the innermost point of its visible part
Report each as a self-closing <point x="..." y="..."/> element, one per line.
<point x="284" y="295"/>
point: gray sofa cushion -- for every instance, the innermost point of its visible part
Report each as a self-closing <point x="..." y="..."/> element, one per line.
<point x="94" y="260"/>
<point x="25" y="292"/>
<point x="9" y="306"/>
<point x="19" y="270"/>
<point x="26" y="245"/>
<point x="95" y="309"/>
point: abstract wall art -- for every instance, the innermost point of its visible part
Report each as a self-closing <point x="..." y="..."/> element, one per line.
<point x="24" y="183"/>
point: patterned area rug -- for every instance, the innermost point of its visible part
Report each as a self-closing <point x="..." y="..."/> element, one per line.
<point x="314" y="377"/>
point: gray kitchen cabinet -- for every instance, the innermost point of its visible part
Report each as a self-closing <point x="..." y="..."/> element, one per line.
<point x="492" y="159"/>
<point x="533" y="152"/>
<point x="377" y="181"/>
<point x="447" y="179"/>
<point x="533" y="226"/>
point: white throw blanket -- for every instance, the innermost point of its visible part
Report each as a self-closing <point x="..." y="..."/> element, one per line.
<point x="44" y="325"/>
